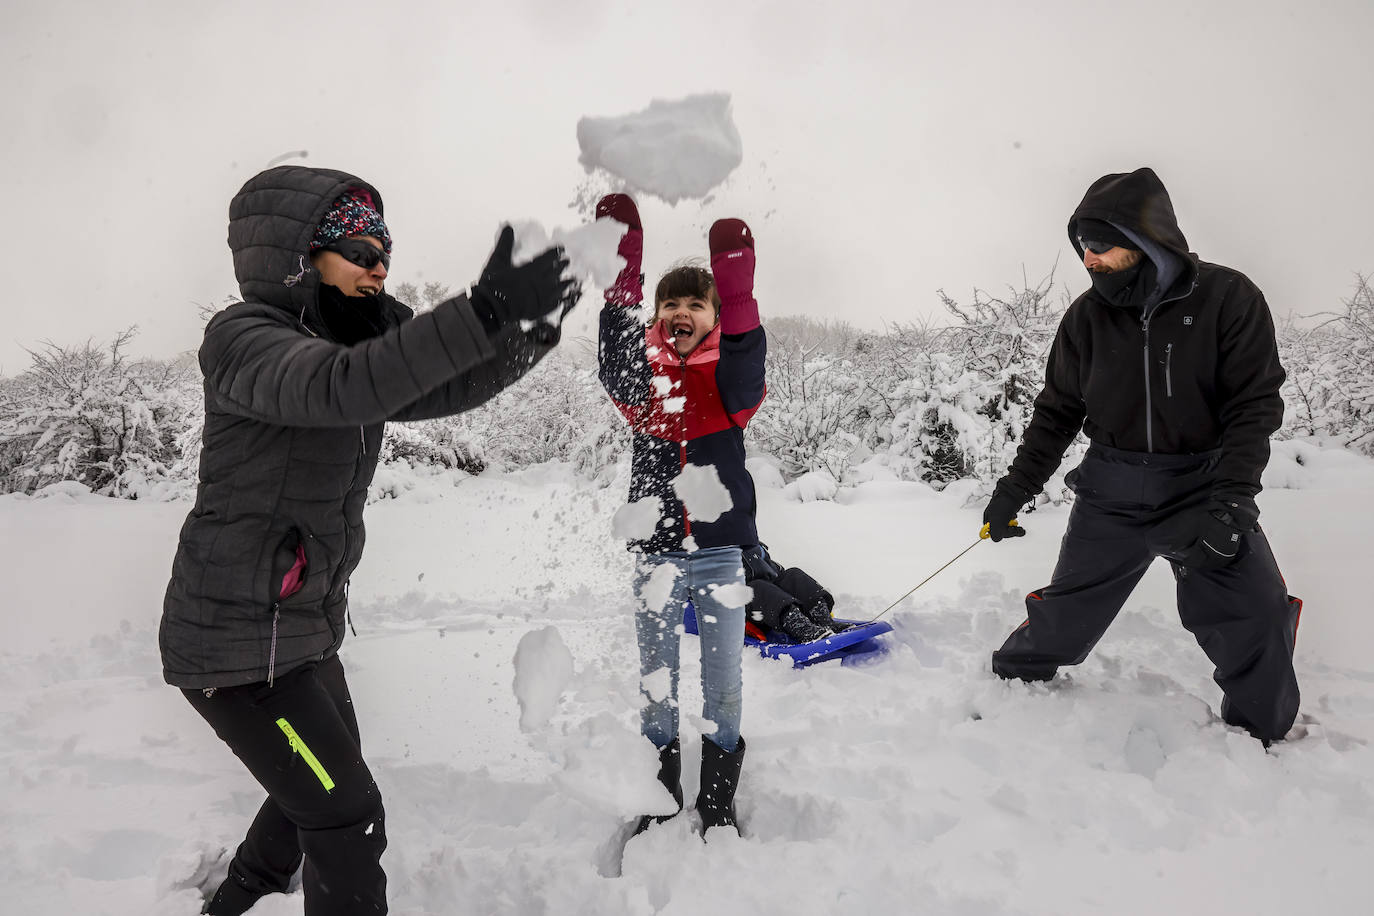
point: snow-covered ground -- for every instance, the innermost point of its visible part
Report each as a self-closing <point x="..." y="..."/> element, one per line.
<point x="914" y="783"/>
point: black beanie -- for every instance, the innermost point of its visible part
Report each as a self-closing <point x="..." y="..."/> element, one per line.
<point x="1099" y="230"/>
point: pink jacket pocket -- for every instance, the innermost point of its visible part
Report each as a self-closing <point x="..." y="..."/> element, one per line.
<point x="295" y="576"/>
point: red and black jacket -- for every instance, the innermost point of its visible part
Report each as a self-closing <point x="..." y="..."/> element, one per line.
<point x="685" y="411"/>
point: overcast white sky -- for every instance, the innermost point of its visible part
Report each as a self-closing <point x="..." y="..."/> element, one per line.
<point x="890" y="149"/>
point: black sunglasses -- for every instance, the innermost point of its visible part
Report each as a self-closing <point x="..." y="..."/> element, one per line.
<point x="359" y="252"/>
<point x="1096" y="247"/>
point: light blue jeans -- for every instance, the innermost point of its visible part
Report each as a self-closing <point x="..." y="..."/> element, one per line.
<point x="722" y="639"/>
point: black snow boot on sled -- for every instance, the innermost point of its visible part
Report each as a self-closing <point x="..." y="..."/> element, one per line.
<point x="719" y="779"/>
<point x="801" y="628"/>
<point x="670" y="774"/>
<point x="816" y="603"/>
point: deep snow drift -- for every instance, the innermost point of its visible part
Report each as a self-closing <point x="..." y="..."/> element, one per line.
<point x="495" y="676"/>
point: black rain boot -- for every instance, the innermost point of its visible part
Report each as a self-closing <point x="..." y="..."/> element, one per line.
<point x="719" y="779"/>
<point x="670" y="774"/>
<point x="798" y="626"/>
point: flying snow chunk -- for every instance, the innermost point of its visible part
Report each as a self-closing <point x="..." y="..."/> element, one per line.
<point x="591" y="249"/>
<point x="672" y="149"/>
<point x="611" y="768"/>
<point x="657" y="685"/>
<point x="700" y="489"/>
<point x="659" y="587"/>
<point x="636" y="521"/>
<point x="735" y="594"/>
<point x="543" y="669"/>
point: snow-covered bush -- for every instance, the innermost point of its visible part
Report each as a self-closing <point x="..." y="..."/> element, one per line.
<point x="815" y="417"/>
<point x="122" y="427"/>
<point x="927" y="402"/>
<point x="1329" y="392"/>
<point x="963" y="393"/>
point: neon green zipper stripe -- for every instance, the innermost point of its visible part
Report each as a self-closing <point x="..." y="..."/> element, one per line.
<point x="298" y="746"/>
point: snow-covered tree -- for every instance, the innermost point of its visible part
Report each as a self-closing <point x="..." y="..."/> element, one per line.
<point x="88" y="413"/>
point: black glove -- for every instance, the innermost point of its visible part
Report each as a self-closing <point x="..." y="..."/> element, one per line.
<point x="1007" y="500"/>
<point x="526" y="292"/>
<point x="758" y="564"/>
<point x="1212" y="532"/>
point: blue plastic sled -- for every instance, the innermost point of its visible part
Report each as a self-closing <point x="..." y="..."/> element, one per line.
<point x="859" y="643"/>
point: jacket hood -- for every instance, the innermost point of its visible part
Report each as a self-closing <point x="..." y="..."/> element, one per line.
<point x="1138" y="204"/>
<point x="271" y="222"/>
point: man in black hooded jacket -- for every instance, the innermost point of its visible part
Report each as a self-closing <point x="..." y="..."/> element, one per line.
<point x="1168" y="364"/>
<point x="300" y="378"/>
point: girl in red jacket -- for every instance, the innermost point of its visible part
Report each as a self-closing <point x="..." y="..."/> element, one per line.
<point x="688" y="384"/>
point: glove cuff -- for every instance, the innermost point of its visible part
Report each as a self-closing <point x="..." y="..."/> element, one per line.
<point x="1010" y="487"/>
<point x="1237" y="510"/>
<point x="620" y="207"/>
<point x="733" y="274"/>
<point x="628" y="288"/>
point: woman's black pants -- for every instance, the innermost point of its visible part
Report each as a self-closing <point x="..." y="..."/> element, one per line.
<point x="299" y="739"/>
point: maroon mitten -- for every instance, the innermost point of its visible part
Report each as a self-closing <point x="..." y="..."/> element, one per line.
<point x="732" y="265"/>
<point x="628" y="288"/>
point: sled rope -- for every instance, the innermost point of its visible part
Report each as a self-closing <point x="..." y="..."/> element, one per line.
<point x="982" y="536"/>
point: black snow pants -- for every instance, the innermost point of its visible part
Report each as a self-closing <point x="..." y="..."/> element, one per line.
<point x="299" y="739"/>
<point x="1126" y="514"/>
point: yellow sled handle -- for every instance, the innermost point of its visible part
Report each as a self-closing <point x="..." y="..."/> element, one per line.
<point x="987" y="529"/>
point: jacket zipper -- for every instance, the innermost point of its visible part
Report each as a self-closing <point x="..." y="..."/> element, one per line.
<point x="1149" y="420"/>
<point x="272" y="651"/>
<point x="1168" y="370"/>
<point x="357" y="469"/>
<point x="682" y="443"/>
<point x="1168" y="381"/>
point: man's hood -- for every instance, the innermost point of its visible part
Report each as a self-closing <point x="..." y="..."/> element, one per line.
<point x="271" y="222"/>
<point x="1138" y="204"/>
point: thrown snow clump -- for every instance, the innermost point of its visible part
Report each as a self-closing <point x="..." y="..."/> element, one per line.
<point x="636" y="521"/>
<point x="700" y="489"/>
<point x="591" y="249"/>
<point x="733" y="594"/>
<point x="543" y="669"/>
<point x="674" y="149"/>
<point x="658" y="588"/>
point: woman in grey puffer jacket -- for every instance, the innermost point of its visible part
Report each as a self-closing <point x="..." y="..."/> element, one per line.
<point x="300" y="378"/>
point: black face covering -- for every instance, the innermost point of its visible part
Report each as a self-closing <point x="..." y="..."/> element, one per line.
<point x="1134" y="288"/>
<point x="351" y="319"/>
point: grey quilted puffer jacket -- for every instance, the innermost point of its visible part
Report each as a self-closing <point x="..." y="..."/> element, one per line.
<point x="293" y="426"/>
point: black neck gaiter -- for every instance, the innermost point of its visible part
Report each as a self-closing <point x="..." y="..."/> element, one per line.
<point x="1134" y="288"/>
<point x="351" y="319"/>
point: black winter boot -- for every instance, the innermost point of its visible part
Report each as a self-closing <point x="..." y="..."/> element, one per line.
<point x="233" y="897"/>
<point x="670" y="774"/>
<point x="821" y="611"/>
<point x="800" y="627"/>
<point x="719" y="779"/>
<point x="816" y="603"/>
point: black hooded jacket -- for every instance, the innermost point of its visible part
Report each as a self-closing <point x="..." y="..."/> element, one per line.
<point x="293" y="426"/>
<point x="1193" y="370"/>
